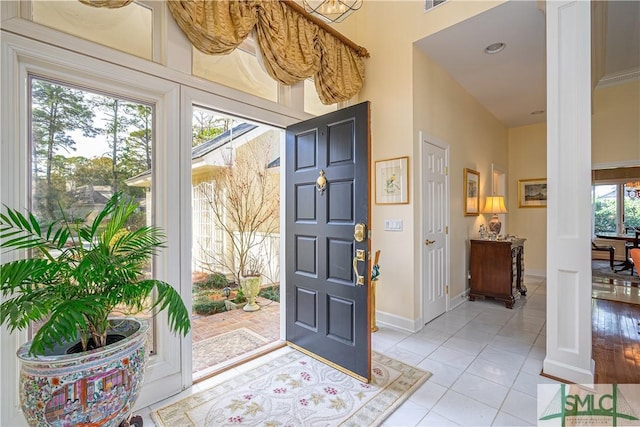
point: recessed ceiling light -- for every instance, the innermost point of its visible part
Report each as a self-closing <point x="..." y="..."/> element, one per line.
<point x="537" y="112"/>
<point x="494" y="48"/>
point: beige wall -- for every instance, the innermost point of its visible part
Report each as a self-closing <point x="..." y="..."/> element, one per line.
<point x="616" y="124"/>
<point x="615" y="140"/>
<point x="528" y="160"/>
<point x="408" y="94"/>
<point x="444" y="110"/>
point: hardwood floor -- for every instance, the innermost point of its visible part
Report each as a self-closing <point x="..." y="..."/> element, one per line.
<point x="616" y="342"/>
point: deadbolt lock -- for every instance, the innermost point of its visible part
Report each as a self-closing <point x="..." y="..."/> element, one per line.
<point x="360" y="232"/>
<point x="360" y="254"/>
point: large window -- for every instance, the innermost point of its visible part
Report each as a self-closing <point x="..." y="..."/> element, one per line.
<point x="85" y="147"/>
<point x="616" y="207"/>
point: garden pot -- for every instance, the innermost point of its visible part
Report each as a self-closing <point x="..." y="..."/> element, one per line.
<point x="92" y="388"/>
<point x="251" y="287"/>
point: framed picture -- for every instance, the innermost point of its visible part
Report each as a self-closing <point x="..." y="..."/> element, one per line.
<point x="392" y="181"/>
<point x="532" y="193"/>
<point x="471" y="192"/>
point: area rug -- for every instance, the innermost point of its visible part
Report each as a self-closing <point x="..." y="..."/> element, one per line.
<point x="602" y="269"/>
<point x="214" y="350"/>
<point x="296" y="390"/>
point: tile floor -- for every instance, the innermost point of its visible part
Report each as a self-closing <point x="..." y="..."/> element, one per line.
<point x="485" y="361"/>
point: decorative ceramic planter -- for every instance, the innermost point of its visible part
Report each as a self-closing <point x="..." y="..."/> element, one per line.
<point x="251" y="287"/>
<point x="92" y="388"/>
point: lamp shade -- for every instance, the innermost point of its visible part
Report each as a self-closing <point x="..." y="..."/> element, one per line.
<point x="495" y="205"/>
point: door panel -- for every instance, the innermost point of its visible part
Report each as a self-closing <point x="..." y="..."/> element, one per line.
<point x="435" y="239"/>
<point x="327" y="312"/>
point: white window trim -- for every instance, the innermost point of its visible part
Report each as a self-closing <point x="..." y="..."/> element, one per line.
<point x="21" y="57"/>
<point x="174" y="60"/>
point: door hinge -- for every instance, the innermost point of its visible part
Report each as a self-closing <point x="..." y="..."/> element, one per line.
<point x="446" y="230"/>
<point x="446" y="170"/>
<point x="446" y="289"/>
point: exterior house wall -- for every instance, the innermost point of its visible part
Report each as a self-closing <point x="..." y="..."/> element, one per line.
<point x="210" y="242"/>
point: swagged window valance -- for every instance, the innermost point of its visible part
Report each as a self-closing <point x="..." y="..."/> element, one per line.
<point x="293" y="47"/>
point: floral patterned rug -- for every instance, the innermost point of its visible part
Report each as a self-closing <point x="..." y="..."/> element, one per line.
<point x="297" y="390"/>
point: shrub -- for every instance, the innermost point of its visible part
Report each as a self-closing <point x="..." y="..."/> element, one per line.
<point x="240" y="298"/>
<point x="206" y="307"/>
<point x="214" y="281"/>
<point x="272" y="293"/>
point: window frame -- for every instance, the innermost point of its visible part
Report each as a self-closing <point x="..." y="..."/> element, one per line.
<point x="21" y="58"/>
<point x="620" y="203"/>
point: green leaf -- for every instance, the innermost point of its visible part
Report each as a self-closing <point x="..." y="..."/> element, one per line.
<point x="34" y="223"/>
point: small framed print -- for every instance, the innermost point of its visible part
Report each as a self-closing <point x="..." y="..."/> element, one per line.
<point x="392" y="181"/>
<point x="532" y="193"/>
<point x="471" y="192"/>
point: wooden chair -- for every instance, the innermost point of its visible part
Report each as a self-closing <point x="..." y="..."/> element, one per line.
<point x="628" y="247"/>
<point x="605" y="248"/>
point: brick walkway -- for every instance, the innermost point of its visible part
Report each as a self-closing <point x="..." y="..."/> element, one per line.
<point x="264" y="322"/>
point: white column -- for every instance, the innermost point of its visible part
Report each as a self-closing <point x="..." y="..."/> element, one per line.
<point x="569" y="186"/>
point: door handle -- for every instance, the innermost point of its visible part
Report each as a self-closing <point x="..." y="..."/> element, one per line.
<point x="429" y="242"/>
<point x="360" y="256"/>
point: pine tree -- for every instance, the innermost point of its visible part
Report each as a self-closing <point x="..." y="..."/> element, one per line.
<point x="57" y="111"/>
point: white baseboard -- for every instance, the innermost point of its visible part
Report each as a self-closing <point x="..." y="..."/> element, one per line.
<point x="536" y="273"/>
<point x="398" y="322"/>
<point x="458" y="299"/>
<point x="569" y="373"/>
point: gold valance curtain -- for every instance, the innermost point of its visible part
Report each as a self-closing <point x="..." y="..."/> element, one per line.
<point x="293" y="47"/>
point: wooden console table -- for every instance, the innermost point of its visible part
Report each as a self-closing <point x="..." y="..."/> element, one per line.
<point x="497" y="270"/>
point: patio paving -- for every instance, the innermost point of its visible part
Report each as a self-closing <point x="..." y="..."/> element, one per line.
<point x="264" y="322"/>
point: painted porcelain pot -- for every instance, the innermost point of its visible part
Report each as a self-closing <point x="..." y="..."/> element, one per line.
<point x="92" y="388"/>
<point x="251" y="287"/>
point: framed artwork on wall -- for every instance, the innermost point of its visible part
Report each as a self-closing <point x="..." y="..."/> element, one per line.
<point x="532" y="193"/>
<point x="392" y="181"/>
<point x="471" y="192"/>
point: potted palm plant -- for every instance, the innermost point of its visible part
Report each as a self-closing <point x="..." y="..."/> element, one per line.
<point x="83" y="366"/>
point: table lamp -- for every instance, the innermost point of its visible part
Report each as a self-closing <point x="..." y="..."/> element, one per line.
<point x="495" y="205"/>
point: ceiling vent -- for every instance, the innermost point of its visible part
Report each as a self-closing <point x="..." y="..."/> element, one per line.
<point x="428" y="4"/>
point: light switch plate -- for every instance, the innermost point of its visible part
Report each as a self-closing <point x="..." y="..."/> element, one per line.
<point x="393" y="225"/>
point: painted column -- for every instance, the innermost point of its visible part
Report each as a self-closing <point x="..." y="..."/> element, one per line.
<point x="569" y="191"/>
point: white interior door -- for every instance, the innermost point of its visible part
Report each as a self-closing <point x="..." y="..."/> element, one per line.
<point x="434" y="230"/>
